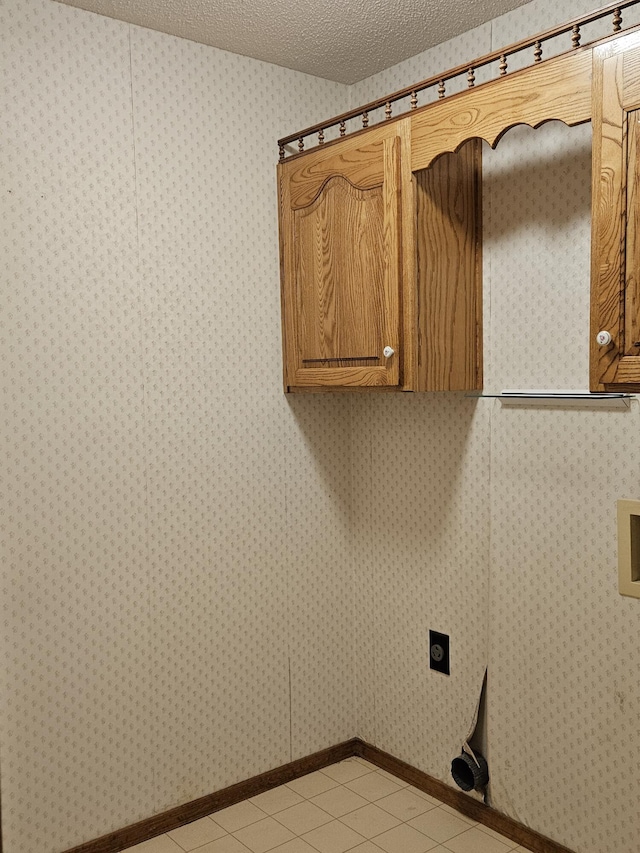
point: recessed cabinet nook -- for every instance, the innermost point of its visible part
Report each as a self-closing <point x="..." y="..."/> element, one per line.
<point x="381" y="231"/>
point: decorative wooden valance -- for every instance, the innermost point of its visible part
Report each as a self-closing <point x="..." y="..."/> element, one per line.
<point x="564" y="78"/>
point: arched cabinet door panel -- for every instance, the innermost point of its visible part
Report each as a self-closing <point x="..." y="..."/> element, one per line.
<point x="341" y="263"/>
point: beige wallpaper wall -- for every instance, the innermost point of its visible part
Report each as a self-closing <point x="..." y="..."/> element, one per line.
<point x="422" y="463"/>
<point x="175" y="617"/>
<point x="564" y="658"/>
<point x="539" y="603"/>
<point x="182" y="546"/>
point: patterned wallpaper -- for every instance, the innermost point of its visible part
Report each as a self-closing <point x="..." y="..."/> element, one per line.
<point x="522" y="567"/>
<point x="422" y="463"/>
<point x="564" y="659"/>
<point x="174" y="617"/>
<point x="184" y="548"/>
<point x="421" y="525"/>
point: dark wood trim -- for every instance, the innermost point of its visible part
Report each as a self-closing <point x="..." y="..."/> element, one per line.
<point x="459" y="800"/>
<point x="119" y="840"/>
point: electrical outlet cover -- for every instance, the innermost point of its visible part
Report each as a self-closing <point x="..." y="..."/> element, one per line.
<point x="439" y="652"/>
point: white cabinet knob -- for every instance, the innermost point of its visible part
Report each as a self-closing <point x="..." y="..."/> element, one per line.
<point x="604" y="338"/>
<point x="387" y="352"/>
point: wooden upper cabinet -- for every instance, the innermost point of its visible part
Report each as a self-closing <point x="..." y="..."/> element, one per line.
<point x="615" y="258"/>
<point x="381" y="268"/>
<point x="341" y="263"/>
<point x="381" y="232"/>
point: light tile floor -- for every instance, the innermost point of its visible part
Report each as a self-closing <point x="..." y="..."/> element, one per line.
<point x="350" y="806"/>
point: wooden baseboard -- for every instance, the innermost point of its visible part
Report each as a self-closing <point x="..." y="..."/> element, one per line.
<point x="474" y="809"/>
<point x="119" y="840"/>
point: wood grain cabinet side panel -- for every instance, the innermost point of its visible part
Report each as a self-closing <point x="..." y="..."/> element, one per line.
<point x="449" y="271"/>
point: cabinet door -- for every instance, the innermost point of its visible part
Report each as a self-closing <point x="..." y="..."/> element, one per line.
<point x="340" y="241"/>
<point x="615" y="260"/>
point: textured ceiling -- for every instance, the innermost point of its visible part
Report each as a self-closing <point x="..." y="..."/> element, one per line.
<point x="342" y="40"/>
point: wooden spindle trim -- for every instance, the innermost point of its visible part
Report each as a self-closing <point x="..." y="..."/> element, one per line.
<point x="471" y="78"/>
<point x="343" y="128"/>
<point x="301" y="144"/>
<point x="537" y="53"/>
<point x="575" y="36"/>
<point x="281" y="151"/>
<point x="617" y="21"/>
<point x="441" y="88"/>
<point x="503" y="64"/>
<point x="387" y="110"/>
<point x="321" y="136"/>
<point x="365" y="119"/>
<point x="414" y="100"/>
